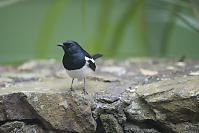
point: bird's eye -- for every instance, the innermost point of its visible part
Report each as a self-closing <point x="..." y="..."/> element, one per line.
<point x="68" y="45"/>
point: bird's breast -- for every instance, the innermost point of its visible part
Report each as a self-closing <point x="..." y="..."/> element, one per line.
<point x="73" y="62"/>
<point x="79" y="73"/>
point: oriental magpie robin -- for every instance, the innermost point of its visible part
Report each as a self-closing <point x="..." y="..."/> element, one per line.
<point x="77" y="61"/>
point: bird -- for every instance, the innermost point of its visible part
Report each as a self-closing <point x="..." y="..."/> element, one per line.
<point x="77" y="61"/>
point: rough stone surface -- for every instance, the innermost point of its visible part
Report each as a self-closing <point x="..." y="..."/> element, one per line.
<point x="173" y="101"/>
<point x="63" y="111"/>
<point x="58" y="111"/>
<point x="20" y="127"/>
<point x="110" y="124"/>
<point x="142" y="128"/>
<point x="131" y="96"/>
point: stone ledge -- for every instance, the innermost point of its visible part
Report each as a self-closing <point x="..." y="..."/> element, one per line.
<point x="136" y="95"/>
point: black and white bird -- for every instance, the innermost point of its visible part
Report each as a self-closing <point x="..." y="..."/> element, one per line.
<point x="77" y="61"/>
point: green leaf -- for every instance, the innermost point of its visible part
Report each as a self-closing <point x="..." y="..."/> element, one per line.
<point x="47" y="26"/>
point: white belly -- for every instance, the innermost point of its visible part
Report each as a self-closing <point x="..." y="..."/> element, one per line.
<point x="80" y="73"/>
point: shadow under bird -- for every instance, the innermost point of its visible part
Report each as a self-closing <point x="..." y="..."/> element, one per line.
<point x="77" y="61"/>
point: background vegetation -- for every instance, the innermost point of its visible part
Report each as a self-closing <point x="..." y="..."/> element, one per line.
<point x="31" y="29"/>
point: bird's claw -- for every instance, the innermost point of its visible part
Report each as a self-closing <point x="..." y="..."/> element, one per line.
<point x="71" y="89"/>
<point x="85" y="92"/>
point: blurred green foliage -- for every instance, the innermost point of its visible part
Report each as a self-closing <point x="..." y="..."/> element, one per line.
<point x="31" y="29"/>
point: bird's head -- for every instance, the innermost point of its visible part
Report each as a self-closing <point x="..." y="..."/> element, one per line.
<point x="69" y="46"/>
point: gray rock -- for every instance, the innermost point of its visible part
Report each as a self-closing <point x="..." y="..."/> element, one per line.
<point x="186" y="127"/>
<point x="106" y="98"/>
<point x="58" y="111"/>
<point x="116" y="108"/>
<point x="63" y="111"/>
<point x="20" y="127"/>
<point x="136" y="95"/>
<point x="110" y="124"/>
<point x="132" y="128"/>
<point x="165" y="103"/>
<point x="136" y="109"/>
<point x="13" y="107"/>
<point x="139" y="111"/>
<point x="173" y="101"/>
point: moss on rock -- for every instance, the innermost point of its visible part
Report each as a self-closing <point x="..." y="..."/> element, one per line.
<point x="110" y="124"/>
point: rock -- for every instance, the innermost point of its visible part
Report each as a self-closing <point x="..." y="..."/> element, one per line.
<point x="132" y="128"/>
<point x="114" y="69"/>
<point x="38" y="65"/>
<point x="162" y="98"/>
<point x="13" y="107"/>
<point x="58" y="111"/>
<point x="110" y="105"/>
<point x="20" y="127"/>
<point x="106" y="98"/>
<point x="139" y="111"/>
<point x="186" y="127"/>
<point x="110" y="124"/>
<point x="63" y="111"/>
<point x="174" y="102"/>
<point x="104" y="78"/>
<point x="129" y="108"/>
<point x="165" y="106"/>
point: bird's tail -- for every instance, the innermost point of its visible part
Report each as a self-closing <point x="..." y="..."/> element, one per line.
<point x="95" y="56"/>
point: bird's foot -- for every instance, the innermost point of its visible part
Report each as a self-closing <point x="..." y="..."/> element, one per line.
<point x="85" y="92"/>
<point x="71" y="89"/>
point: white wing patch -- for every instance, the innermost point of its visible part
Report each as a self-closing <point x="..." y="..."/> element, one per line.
<point x="91" y="59"/>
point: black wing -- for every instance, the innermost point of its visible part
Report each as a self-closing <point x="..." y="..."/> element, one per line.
<point x="85" y="53"/>
<point x="91" y="64"/>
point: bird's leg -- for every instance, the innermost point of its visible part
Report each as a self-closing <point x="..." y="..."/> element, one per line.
<point x="84" y="89"/>
<point x="71" y="87"/>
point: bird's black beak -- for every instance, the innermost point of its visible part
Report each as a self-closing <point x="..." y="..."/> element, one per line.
<point x="60" y="44"/>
